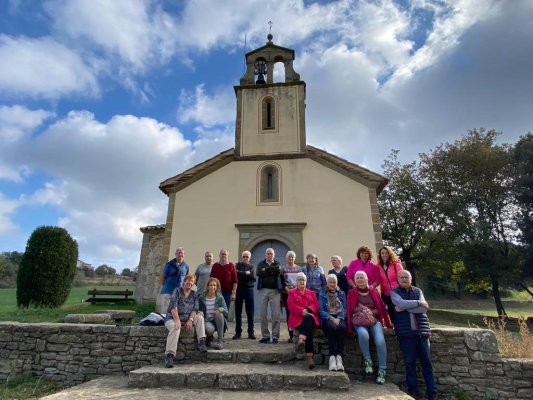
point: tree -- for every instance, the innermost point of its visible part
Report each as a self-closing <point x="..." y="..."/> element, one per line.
<point x="47" y="268"/>
<point x="523" y="188"/>
<point x="407" y="210"/>
<point x="472" y="180"/>
<point x="105" y="269"/>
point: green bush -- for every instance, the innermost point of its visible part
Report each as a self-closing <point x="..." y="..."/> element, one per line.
<point x="47" y="268"/>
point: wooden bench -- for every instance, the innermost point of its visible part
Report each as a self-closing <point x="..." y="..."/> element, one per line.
<point x="120" y="296"/>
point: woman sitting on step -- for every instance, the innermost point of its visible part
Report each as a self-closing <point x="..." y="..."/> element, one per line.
<point x="333" y="316"/>
<point x="213" y="305"/>
<point x="367" y="315"/>
<point x="303" y="306"/>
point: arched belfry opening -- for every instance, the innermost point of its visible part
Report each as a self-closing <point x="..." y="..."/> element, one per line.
<point x="270" y="105"/>
<point x="260" y="65"/>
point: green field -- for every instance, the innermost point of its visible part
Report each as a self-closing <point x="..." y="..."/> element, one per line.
<point x="73" y="305"/>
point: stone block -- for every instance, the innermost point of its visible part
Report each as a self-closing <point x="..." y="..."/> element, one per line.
<point x="232" y="381"/>
<point x="265" y="382"/>
<point x="335" y="381"/>
<point x="523" y="394"/>
<point x="300" y="382"/>
<point x="199" y="380"/>
<point x="87" y="318"/>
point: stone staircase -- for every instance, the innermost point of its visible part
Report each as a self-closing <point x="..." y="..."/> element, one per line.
<point x="244" y="370"/>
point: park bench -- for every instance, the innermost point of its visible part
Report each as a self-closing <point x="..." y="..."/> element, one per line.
<point x="118" y="296"/>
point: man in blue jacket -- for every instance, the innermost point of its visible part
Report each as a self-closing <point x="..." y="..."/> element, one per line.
<point x="412" y="328"/>
<point x="171" y="278"/>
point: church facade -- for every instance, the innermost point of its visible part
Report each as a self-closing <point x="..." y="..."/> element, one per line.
<point x="270" y="190"/>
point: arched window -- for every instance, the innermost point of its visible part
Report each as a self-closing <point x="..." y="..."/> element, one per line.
<point x="269" y="185"/>
<point x="268" y="113"/>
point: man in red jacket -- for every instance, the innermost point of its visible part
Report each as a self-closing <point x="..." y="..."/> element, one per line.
<point x="225" y="272"/>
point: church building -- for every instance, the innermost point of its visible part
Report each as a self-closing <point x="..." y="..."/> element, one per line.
<point x="271" y="190"/>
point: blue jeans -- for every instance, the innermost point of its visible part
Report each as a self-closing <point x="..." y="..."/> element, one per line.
<point x="363" y="337"/>
<point x="413" y="347"/>
<point x="245" y="295"/>
<point x="227" y="298"/>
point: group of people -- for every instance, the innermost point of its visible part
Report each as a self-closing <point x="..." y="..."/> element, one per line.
<point x="362" y="298"/>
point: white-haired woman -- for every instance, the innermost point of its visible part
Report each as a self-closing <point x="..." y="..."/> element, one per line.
<point x="333" y="316"/>
<point x="288" y="273"/>
<point x="303" y="306"/>
<point x="367" y="315"/>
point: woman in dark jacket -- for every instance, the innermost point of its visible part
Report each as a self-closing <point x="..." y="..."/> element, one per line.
<point x="333" y="316"/>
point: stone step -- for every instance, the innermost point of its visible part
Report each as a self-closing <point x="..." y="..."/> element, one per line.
<point x="253" y="352"/>
<point x="262" y="377"/>
<point x="116" y="388"/>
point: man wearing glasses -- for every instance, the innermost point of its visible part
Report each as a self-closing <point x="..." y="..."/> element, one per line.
<point x="245" y="294"/>
<point x="269" y="285"/>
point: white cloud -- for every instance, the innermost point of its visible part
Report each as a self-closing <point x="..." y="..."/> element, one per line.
<point x="43" y="68"/>
<point x="17" y="123"/>
<point x="139" y="33"/>
<point x="207" y="110"/>
<point x="7" y="206"/>
<point x="107" y="176"/>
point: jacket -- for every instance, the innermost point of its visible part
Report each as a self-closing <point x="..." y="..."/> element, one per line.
<point x="353" y="299"/>
<point x="371" y="270"/>
<point x="220" y="304"/>
<point x="245" y="281"/>
<point x="323" y="300"/>
<point x="402" y="319"/>
<point x="297" y="302"/>
<point x="269" y="276"/>
<point x="389" y="279"/>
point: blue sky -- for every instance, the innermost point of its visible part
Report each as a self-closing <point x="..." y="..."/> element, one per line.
<point x="102" y="100"/>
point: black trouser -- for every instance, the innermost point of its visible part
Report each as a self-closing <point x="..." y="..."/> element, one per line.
<point x="284" y="297"/>
<point x="335" y="334"/>
<point x="306" y="329"/>
<point x="246" y="295"/>
<point x="390" y="307"/>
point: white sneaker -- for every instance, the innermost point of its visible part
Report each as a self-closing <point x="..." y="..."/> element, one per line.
<point x="332" y="363"/>
<point x="340" y="366"/>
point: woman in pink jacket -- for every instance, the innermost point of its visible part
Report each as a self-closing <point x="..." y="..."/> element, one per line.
<point x="364" y="263"/>
<point x="303" y="307"/>
<point x="389" y="265"/>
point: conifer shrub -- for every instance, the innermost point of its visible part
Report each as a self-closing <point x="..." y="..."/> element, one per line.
<point x="47" y="268"/>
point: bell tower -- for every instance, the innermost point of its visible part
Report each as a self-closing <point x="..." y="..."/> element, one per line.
<point x="270" y="115"/>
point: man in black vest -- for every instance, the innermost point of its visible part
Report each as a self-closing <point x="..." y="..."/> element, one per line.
<point x="412" y="328"/>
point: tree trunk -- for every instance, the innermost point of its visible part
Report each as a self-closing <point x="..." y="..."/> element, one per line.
<point x="409" y="264"/>
<point x="497" y="298"/>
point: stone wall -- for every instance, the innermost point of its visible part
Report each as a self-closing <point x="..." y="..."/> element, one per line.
<point x="150" y="264"/>
<point x="465" y="360"/>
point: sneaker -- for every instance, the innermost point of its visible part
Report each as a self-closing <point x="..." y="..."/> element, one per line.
<point x="201" y="346"/>
<point x="291" y="340"/>
<point x="340" y="365"/>
<point x="381" y="376"/>
<point x="219" y="345"/>
<point x="169" y="360"/>
<point x="275" y="340"/>
<point x="236" y="337"/>
<point x="251" y="336"/>
<point x="367" y="366"/>
<point x="264" y="340"/>
<point x="332" y="363"/>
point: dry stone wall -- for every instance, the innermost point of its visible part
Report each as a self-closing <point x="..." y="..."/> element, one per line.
<point x="465" y="360"/>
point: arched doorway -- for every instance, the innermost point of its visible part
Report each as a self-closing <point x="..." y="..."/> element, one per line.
<point x="258" y="255"/>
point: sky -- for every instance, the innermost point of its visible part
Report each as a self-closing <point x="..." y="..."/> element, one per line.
<point x="100" y="100"/>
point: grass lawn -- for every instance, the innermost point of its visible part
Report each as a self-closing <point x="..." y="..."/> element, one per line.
<point x="73" y="305"/>
<point x="470" y="312"/>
